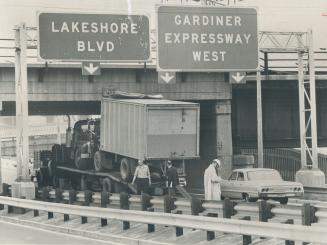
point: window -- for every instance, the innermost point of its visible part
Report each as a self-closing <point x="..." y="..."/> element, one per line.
<point x="233" y="176"/>
<point x="240" y="176"/>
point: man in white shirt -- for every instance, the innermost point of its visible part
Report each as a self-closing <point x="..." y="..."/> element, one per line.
<point x="142" y="177"/>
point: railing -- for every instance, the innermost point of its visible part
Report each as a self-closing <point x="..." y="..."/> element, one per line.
<point x="279" y="231"/>
<point x="286" y="161"/>
<point x="299" y="211"/>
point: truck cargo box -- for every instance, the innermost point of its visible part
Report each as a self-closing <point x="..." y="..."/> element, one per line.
<point x="150" y="128"/>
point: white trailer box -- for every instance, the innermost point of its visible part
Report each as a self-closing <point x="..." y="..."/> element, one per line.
<point x="150" y="128"/>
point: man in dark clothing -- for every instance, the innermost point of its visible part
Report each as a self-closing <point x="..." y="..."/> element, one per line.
<point x="172" y="178"/>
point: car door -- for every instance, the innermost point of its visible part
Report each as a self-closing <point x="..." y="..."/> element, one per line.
<point x="229" y="189"/>
<point x="240" y="185"/>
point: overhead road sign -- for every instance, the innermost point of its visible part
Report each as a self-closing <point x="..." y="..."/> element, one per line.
<point x="91" y="69"/>
<point x="237" y="77"/>
<point x="93" y="37"/>
<point x="206" y="38"/>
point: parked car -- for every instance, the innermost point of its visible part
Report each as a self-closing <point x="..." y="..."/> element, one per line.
<point x="251" y="184"/>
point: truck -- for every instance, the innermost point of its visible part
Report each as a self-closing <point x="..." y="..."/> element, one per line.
<point x="106" y="150"/>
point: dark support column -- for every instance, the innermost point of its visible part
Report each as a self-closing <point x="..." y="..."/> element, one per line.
<point x="5" y="190"/>
<point x="50" y="215"/>
<point x="264" y="211"/>
<point x="211" y="234"/>
<point x="66" y="217"/>
<point x="151" y="227"/>
<point x="246" y="238"/>
<point x="196" y="206"/>
<point x="306" y="214"/>
<point x="72" y="196"/>
<point x="58" y="194"/>
<point x="45" y="194"/>
<point x="124" y="204"/>
<point x="224" y="144"/>
<point x="168" y="204"/>
<point x="228" y="208"/>
<point x="266" y="66"/>
<point x="83" y="183"/>
<point x="36" y="213"/>
<point x="179" y="230"/>
<point x="87" y="197"/>
<point x="87" y="200"/>
<point x="288" y="242"/>
<point x="104" y="203"/>
<point x="145" y="199"/>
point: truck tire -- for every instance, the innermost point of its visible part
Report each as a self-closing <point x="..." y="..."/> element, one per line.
<point x="102" y="161"/>
<point x="127" y="168"/>
<point x="98" y="161"/>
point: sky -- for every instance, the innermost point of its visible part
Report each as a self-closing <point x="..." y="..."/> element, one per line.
<point x="273" y="15"/>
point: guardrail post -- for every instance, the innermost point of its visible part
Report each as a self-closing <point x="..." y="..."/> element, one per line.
<point x="228" y="208"/>
<point x="246" y="238"/>
<point x="179" y="230"/>
<point x="306" y="214"/>
<point x="87" y="201"/>
<point x="196" y="206"/>
<point x="72" y="196"/>
<point x="66" y="217"/>
<point x="36" y="213"/>
<point x="168" y="204"/>
<point x="151" y="227"/>
<point x="288" y="242"/>
<point x="211" y="234"/>
<point x="5" y="190"/>
<point x="58" y="194"/>
<point x="87" y="197"/>
<point x="145" y="200"/>
<point x="264" y="211"/>
<point x="50" y="215"/>
<point x="45" y="194"/>
<point x="104" y="203"/>
<point x="124" y="204"/>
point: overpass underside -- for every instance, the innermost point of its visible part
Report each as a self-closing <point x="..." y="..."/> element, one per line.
<point x="228" y="114"/>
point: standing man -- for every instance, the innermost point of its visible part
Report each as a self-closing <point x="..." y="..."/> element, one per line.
<point x="212" y="181"/>
<point x="172" y="178"/>
<point x="142" y="177"/>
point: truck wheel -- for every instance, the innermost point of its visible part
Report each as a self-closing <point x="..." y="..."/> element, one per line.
<point x="127" y="168"/>
<point x="98" y="161"/>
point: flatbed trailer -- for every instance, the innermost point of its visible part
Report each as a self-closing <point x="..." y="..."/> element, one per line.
<point x="108" y="181"/>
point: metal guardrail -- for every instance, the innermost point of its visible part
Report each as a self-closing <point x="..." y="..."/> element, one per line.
<point x="300" y="212"/>
<point x="280" y="231"/>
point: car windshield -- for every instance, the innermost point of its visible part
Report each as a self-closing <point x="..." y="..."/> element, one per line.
<point x="264" y="175"/>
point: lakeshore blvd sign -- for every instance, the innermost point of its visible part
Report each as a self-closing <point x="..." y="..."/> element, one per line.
<point x="206" y="38"/>
<point x="93" y="37"/>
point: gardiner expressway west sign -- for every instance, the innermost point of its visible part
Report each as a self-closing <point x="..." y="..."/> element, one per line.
<point x="93" y="37"/>
<point x="206" y="38"/>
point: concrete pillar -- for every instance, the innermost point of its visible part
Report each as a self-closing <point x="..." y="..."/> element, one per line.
<point x="224" y="144"/>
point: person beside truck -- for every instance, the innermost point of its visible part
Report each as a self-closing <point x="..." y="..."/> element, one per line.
<point x="142" y="177"/>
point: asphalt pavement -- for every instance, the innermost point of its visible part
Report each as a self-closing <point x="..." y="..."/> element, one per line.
<point x="19" y="234"/>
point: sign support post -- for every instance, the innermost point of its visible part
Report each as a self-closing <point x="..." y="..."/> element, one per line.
<point x="259" y="121"/>
<point x="310" y="174"/>
<point x="22" y="187"/>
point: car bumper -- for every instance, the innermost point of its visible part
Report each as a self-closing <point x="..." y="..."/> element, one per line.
<point x="268" y="195"/>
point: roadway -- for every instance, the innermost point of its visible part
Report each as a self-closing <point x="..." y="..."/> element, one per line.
<point x="19" y="234"/>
